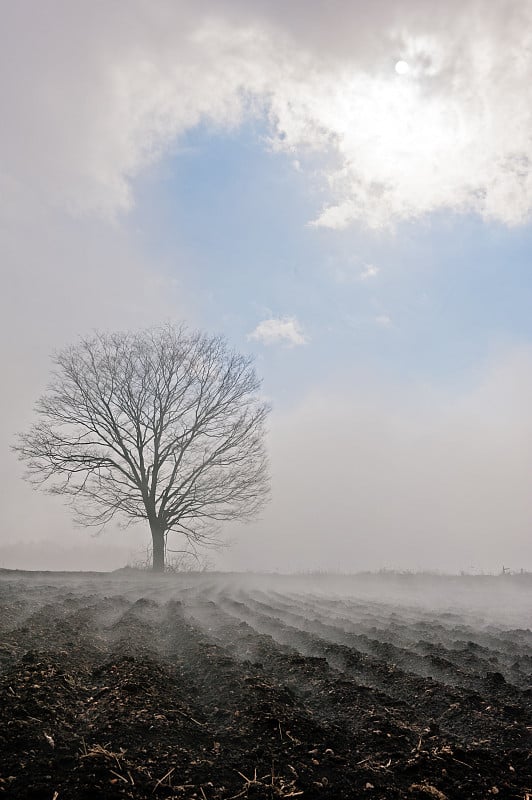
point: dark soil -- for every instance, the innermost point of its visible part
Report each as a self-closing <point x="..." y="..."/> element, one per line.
<point x="197" y="687"/>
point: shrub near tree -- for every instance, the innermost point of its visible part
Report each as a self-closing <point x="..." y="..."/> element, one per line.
<point x="165" y="425"/>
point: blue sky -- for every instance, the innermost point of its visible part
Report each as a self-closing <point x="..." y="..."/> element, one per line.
<point x="230" y="220"/>
<point x="265" y="171"/>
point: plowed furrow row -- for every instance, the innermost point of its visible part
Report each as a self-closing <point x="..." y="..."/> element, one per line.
<point x="450" y="661"/>
<point x="436" y="702"/>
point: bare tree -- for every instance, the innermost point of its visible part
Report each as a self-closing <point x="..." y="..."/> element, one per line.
<point x="164" y="425"/>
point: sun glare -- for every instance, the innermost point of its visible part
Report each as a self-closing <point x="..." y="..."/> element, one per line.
<point x="402" y="68"/>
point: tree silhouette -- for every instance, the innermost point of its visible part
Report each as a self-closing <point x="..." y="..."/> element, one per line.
<point x="164" y="424"/>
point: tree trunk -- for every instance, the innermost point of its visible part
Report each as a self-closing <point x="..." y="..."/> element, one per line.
<point x="157" y="535"/>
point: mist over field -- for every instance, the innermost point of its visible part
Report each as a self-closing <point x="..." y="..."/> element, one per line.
<point x="481" y="600"/>
<point x="435" y="483"/>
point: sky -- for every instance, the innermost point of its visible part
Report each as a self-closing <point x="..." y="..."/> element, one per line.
<point x="344" y="191"/>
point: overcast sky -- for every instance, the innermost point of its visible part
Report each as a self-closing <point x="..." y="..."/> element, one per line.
<point x="344" y="190"/>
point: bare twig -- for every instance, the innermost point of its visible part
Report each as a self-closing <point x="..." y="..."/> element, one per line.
<point x="167" y="775"/>
<point x="186" y="716"/>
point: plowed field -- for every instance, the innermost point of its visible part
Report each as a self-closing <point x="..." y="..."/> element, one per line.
<point x="211" y="686"/>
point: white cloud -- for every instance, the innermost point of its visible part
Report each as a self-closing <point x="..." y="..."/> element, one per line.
<point x="90" y="102"/>
<point x="369" y="271"/>
<point x="404" y="146"/>
<point x="383" y="320"/>
<point x="350" y="272"/>
<point x="279" y="330"/>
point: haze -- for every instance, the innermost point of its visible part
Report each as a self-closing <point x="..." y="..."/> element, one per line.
<point x="263" y="170"/>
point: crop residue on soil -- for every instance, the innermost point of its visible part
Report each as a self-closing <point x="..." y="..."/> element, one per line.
<point x="212" y="687"/>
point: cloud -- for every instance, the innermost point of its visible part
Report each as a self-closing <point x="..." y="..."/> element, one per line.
<point x="369" y="271"/>
<point x="91" y="102"/>
<point x="402" y="146"/>
<point x="383" y="320"/>
<point x="350" y="272"/>
<point x="279" y="330"/>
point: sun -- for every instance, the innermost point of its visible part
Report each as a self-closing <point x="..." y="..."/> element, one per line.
<point x="402" y="67"/>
